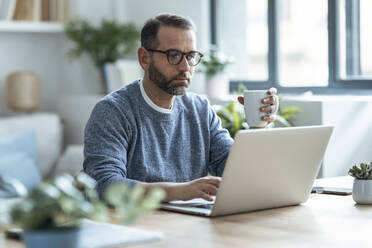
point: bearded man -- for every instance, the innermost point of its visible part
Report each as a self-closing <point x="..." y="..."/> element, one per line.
<point x="154" y="133"/>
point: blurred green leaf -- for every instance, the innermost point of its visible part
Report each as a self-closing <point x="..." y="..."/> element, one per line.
<point x="232" y="118"/>
<point x="152" y="201"/>
<point x="64" y="203"/>
<point x="85" y="181"/>
<point x="282" y="121"/>
<point x="214" y="62"/>
<point x="116" y="193"/>
<point x="285" y="114"/>
<point x="288" y="112"/>
<point x="104" y="44"/>
<point x="136" y="194"/>
<point x="241" y="88"/>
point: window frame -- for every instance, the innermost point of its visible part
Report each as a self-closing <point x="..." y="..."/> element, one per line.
<point x="336" y="85"/>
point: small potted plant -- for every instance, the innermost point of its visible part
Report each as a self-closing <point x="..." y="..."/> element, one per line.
<point x="104" y="44"/>
<point x="284" y="115"/>
<point x="362" y="186"/>
<point x="50" y="214"/>
<point x="214" y="66"/>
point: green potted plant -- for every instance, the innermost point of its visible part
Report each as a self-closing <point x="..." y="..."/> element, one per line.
<point x="50" y="214"/>
<point x="362" y="186"/>
<point x="284" y="116"/>
<point x="214" y="66"/>
<point x="232" y="118"/>
<point x="103" y="44"/>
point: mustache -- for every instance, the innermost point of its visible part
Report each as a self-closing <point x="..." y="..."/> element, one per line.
<point x="181" y="76"/>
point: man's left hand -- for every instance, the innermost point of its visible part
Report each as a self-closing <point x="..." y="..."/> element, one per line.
<point x="268" y="110"/>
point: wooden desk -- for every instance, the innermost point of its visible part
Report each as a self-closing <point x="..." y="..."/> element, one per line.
<point x="323" y="221"/>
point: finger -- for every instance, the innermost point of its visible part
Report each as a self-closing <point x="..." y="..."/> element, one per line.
<point x="272" y="91"/>
<point x="269" y="118"/>
<point x="209" y="189"/>
<point x="241" y="100"/>
<point x="205" y="196"/>
<point x="268" y="100"/>
<point x="266" y="109"/>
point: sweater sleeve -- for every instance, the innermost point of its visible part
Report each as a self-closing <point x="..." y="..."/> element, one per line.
<point x="107" y="135"/>
<point x="220" y="144"/>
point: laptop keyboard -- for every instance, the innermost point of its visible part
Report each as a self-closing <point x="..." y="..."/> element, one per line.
<point x="206" y="206"/>
<point x="201" y="204"/>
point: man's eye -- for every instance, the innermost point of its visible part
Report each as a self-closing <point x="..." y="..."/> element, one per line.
<point x="190" y="57"/>
<point x="175" y="55"/>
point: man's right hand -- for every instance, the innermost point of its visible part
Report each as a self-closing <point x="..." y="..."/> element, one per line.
<point x="204" y="187"/>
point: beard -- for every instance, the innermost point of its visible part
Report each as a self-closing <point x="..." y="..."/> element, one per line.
<point x="165" y="84"/>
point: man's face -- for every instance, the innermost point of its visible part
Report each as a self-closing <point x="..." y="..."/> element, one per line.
<point x="173" y="79"/>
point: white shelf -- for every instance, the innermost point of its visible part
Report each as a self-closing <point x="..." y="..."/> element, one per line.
<point x="31" y="27"/>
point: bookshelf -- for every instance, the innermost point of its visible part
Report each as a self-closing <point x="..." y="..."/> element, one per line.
<point x="33" y="16"/>
<point x="30" y="27"/>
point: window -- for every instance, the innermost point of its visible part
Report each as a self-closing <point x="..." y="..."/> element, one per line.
<point x="355" y="39"/>
<point x="296" y="45"/>
<point x="248" y="21"/>
<point x="303" y="43"/>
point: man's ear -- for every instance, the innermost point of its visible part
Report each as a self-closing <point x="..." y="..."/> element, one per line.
<point x="143" y="58"/>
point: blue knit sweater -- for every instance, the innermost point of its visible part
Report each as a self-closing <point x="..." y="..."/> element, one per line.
<point x="127" y="139"/>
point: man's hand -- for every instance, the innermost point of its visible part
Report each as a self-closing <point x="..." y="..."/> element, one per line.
<point x="204" y="187"/>
<point x="269" y="117"/>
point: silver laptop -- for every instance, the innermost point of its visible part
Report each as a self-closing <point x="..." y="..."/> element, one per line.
<point x="266" y="168"/>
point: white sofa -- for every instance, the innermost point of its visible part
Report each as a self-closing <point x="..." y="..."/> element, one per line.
<point x="50" y="160"/>
<point x="49" y="142"/>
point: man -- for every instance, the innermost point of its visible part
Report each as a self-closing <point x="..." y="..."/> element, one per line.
<point x="151" y="132"/>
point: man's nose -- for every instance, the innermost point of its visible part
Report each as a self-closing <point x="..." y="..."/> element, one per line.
<point x="184" y="65"/>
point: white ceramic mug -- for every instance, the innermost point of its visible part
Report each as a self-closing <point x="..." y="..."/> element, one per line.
<point x="252" y="105"/>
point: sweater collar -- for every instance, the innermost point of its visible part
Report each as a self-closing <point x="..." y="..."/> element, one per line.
<point x="151" y="103"/>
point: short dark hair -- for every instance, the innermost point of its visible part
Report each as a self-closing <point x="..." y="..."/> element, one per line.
<point x="149" y="31"/>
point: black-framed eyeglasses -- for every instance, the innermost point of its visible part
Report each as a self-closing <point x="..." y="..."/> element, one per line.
<point x="175" y="57"/>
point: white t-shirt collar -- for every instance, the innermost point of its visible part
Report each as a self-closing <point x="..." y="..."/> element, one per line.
<point x="151" y="103"/>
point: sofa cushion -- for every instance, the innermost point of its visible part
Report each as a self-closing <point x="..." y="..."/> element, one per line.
<point x="71" y="161"/>
<point x="21" y="167"/>
<point x="22" y="142"/>
<point x="48" y="130"/>
<point x="18" y="156"/>
<point x="74" y="110"/>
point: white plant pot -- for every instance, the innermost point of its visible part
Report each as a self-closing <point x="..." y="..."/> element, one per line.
<point x="362" y="191"/>
<point x="218" y="86"/>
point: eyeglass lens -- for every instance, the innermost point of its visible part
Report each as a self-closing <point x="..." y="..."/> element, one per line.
<point x="175" y="57"/>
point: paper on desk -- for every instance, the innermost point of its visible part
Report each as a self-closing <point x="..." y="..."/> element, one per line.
<point x="345" y="182"/>
<point x="98" y="235"/>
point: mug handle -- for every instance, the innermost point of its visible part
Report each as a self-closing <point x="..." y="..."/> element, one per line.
<point x="276" y="104"/>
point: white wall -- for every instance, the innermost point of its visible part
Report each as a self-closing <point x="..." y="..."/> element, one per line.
<point x="35" y="52"/>
<point x="94" y="10"/>
<point x="45" y="54"/>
